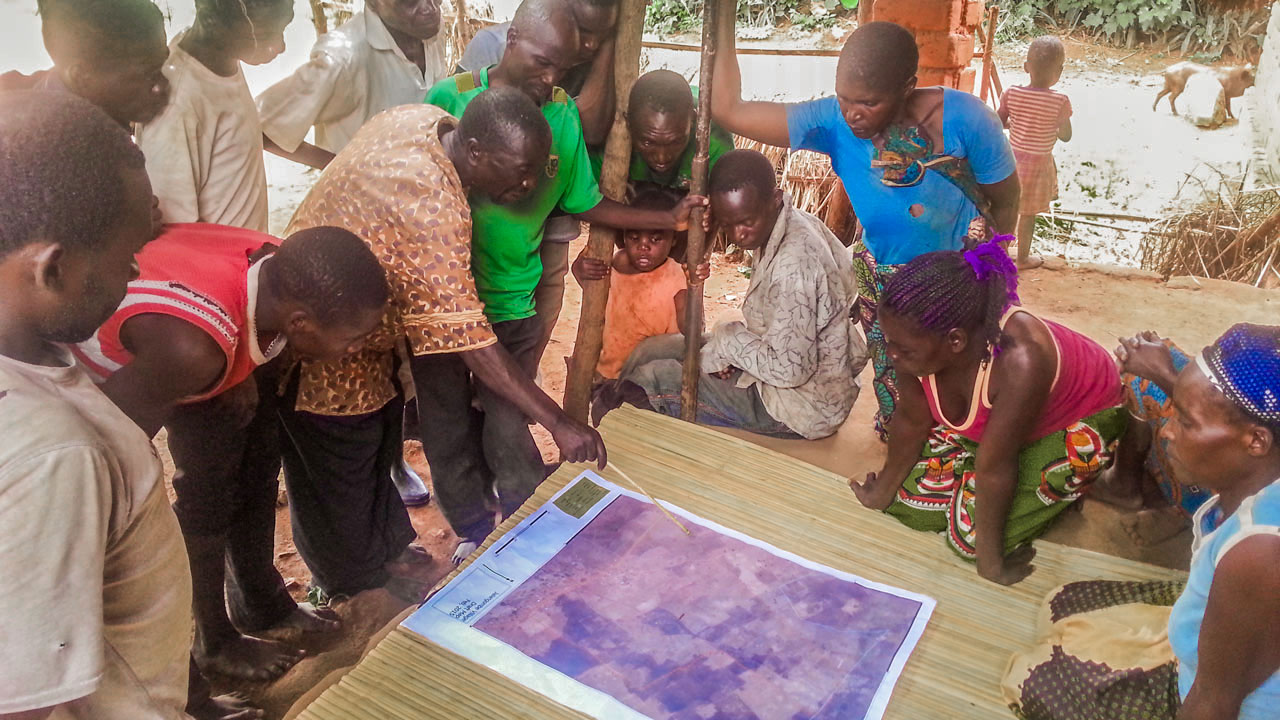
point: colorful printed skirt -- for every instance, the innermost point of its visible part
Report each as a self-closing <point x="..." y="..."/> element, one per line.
<point x="871" y="278"/>
<point x="1104" y="655"/>
<point x="1149" y="404"/>
<point x="938" y="495"/>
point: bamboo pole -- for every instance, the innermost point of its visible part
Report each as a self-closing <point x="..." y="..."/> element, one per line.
<point x="711" y="17"/>
<point x="613" y="183"/>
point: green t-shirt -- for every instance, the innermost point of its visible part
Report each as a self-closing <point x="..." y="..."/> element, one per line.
<point x="720" y="143"/>
<point x="505" y="239"/>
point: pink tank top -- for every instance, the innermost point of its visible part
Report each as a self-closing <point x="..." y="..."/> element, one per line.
<point x="1085" y="382"/>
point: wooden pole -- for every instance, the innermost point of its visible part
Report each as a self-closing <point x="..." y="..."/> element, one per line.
<point x="613" y="183"/>
<point x="988" y="62"/>
<point x="698" y="186"/>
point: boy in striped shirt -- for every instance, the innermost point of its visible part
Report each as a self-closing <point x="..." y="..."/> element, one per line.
<point x="1037" y="117"/>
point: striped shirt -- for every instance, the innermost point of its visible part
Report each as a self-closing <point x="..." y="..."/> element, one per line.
<point x="1034" y="117"/>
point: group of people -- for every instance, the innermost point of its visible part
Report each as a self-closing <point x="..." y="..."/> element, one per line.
<point x="415" y="291"/>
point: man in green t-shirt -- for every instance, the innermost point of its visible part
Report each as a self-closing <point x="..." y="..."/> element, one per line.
<point x="466" y="449"/>
<point x="662" y="114"/>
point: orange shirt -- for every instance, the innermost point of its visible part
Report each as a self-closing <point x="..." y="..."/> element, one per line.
<point x="640" y="306"/>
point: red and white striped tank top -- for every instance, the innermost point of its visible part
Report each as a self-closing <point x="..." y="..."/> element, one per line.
<point x="1034" y="117"/>
<point x="199" y="273"/>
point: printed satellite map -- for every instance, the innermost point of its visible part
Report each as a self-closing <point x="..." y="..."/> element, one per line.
<point x="702" y="626"/>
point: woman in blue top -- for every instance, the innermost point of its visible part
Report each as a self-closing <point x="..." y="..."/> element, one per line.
<point x="924" y="168"/>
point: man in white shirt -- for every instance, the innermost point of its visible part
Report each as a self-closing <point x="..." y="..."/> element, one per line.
<point x="96" y="596"/>
<point x="389" y="54"/>
<point x="204" y="152"/>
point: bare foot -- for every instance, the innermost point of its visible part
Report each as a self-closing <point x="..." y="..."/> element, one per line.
<point x="232" y="706"/>
<point x="248" y="658"/>
<point x="1153" y="526"/>
<point x="874" y="492"/>
<point x="308" y="618"/>
<point x="1116" y="491"/>
<point x="1030" y="263"/>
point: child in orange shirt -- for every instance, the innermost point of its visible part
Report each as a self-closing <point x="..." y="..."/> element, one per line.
<point x="647" y="291"/>
<point x="1037" y="117"/>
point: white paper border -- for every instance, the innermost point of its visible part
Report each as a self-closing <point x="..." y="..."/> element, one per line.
<point x="463" y="639"/>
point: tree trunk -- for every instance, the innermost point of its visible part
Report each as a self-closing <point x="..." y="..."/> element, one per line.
<point x="613" y="183"/>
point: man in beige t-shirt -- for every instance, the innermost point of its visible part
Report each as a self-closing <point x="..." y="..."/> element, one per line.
<point x="95" y="602"/>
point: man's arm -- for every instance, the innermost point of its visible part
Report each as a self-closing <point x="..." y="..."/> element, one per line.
<point x="321" y="90"/>
<point x="495" y="367"/>
<point x="615" y="214"/>
<point x="305" y="154"/>
<point x="172" y="360"/>
<point x="764" y="122"/>
<point x="596" y="104"/>
<point x="1240" y="637"/>
<point x="786" y="354"/>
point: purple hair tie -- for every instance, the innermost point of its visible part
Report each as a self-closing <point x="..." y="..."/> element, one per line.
<point x="990" y="258"/>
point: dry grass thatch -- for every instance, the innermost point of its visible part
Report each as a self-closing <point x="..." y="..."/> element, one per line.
<point x="1233" y="234"/>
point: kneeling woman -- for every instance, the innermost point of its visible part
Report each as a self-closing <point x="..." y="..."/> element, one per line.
<point x="1010" y="419"/>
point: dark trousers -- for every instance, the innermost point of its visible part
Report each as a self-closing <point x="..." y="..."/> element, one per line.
<point x="348" y="519"/>
<point x="475" y="453"/>
<point x="226" y="480"/>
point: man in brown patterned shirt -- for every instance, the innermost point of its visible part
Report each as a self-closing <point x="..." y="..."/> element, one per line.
<point x="401" y="184"/>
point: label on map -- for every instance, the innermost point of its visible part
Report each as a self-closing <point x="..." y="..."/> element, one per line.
<point x="580" y="498"/>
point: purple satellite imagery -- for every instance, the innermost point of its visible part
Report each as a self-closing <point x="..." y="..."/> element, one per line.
<point x="703" y="626"/>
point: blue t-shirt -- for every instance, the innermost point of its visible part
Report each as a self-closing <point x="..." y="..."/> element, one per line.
<point x="969" y="130"/>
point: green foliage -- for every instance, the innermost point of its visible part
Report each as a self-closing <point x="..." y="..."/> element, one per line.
<point x="666" y="17"/>
<point x="1182" y="26"/>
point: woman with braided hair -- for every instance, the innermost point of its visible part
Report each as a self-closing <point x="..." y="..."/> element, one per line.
<point x="1021" y="411"/>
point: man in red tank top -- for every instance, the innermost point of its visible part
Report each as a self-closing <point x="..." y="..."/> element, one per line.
<point x="189" y="349"/>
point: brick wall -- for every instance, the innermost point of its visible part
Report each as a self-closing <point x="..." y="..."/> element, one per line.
<point x="1265" y="110"/>
<point x="944" y="30"/>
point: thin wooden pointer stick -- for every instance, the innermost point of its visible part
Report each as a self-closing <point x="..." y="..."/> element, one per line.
<point x="651" y="498"/>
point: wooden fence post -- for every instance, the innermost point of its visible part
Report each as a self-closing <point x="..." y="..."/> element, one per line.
<point x="711" y="18"/>
<point x="613" y="182"/>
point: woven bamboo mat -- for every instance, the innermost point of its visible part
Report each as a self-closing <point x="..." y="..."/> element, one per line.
<point x="953" y="673"/>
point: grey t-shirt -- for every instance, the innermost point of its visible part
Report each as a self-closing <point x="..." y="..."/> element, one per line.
<point x="485" y="48"/>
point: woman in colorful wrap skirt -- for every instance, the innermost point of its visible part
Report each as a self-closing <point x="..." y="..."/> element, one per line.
<point x="1116" y="650"/>
<point x="1003" y="418"/>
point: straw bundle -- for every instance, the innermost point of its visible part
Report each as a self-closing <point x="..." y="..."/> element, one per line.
<point x="954" y="673"/>
<point x="1234" y="234"/>
<point x="462" y="27"/>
